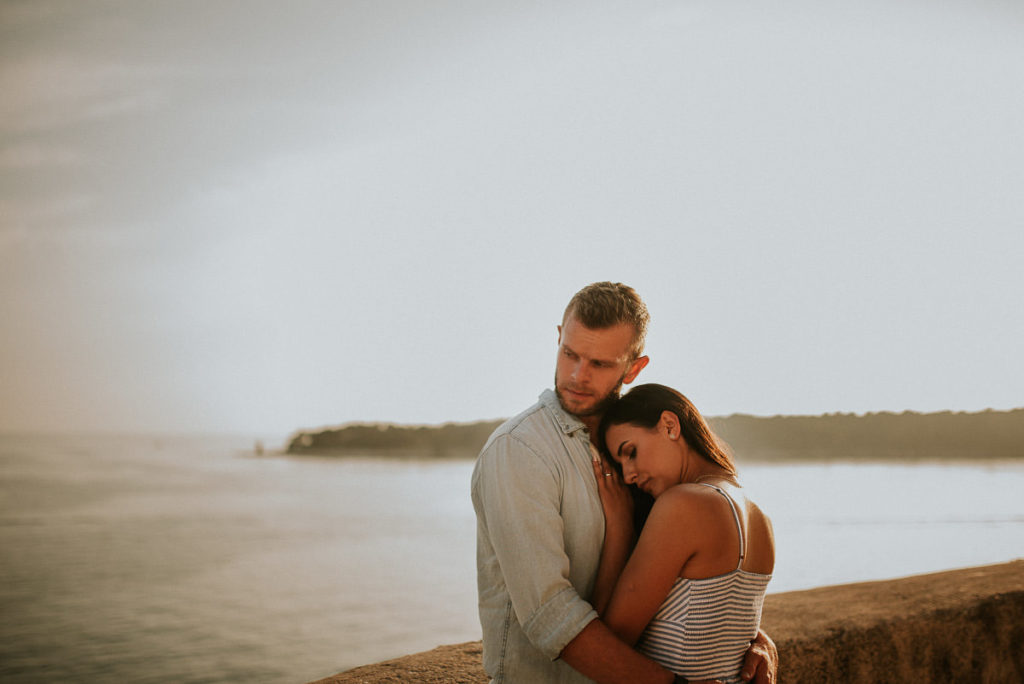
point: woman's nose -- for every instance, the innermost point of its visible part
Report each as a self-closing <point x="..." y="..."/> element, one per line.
<point x="628" y="472"/>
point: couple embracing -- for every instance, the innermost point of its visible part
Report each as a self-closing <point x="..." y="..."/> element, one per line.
<point x="577" y="581"/>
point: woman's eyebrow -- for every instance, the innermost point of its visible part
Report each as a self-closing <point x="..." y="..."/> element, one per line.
<point x="619" y="452"/>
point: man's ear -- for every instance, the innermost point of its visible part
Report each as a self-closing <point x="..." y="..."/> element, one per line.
<point x="634" y="370"/>
<point x="559" y="334"/>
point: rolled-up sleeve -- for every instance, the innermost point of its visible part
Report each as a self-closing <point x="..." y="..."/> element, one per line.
<point x="517" y="495"/>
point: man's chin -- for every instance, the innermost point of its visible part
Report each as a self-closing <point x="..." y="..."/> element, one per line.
<point x="582" y="408"/>
<point x="577" y="407"/>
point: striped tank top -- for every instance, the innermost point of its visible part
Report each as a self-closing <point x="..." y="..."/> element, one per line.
<point x="703" y="628"/>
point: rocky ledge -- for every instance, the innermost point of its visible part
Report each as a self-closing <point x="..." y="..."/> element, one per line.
<point x="962" y="625"/>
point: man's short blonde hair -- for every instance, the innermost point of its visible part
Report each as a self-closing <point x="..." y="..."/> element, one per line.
<point x="603" y="305"/>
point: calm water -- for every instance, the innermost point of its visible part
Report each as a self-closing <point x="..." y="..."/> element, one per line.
<point x="189" y="560"/>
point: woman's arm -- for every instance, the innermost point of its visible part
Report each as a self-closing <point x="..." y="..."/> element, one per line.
<point x="619" y="534"/>
<point x="660" y="554"/>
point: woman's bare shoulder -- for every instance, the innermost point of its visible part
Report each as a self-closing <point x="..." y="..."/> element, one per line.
<point x="688" y="504"/>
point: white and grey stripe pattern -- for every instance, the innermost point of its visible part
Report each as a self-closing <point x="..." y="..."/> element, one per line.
<point x="703" y="628"/>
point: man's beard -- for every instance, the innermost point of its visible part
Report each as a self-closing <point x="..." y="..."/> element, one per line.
<point x="599" y="407"/>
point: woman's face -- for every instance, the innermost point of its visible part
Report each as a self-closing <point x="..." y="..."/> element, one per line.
<point x="648" y="456"/>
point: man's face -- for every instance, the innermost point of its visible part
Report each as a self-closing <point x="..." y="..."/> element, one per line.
<point x="592" y="366"/>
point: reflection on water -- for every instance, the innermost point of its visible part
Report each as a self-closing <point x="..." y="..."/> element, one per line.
<point x="186" y="560"/>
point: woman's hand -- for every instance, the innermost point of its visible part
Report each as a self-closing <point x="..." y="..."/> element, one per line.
<point x="616" y="500"/>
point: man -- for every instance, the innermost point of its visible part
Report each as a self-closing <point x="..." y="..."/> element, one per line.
<point x="540" y="526"/>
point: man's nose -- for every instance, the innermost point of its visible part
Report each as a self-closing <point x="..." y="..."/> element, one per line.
<point x="579" y="371"/>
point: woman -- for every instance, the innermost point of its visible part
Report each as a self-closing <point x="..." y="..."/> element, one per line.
<point x="690" y="593"/>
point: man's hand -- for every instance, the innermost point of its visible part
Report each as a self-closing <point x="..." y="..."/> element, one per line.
<point x="762" y="662"/>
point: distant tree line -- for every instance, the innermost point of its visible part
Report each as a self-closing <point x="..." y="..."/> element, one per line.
<point x="908" y="435"/>
<point x="383" y="439"/>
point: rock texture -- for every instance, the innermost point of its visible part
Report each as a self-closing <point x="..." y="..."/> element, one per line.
<point x="460" y="663"/>
<point x="962" y="625"/>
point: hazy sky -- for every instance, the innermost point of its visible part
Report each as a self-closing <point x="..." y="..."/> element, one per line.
<point x="260" y="216"/>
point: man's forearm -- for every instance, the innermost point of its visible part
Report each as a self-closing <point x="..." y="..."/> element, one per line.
<point x="597" y="653"/>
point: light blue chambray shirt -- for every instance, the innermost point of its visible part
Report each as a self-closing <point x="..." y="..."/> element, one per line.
<point x="539" y="534"/>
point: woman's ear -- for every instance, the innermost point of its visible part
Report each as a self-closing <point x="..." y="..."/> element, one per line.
<point x="669" y="422"/>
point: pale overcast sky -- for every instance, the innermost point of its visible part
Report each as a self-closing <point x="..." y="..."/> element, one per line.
<point x="262" y="216"/>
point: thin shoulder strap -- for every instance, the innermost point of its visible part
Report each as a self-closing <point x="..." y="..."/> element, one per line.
<point x="735" y="516"/>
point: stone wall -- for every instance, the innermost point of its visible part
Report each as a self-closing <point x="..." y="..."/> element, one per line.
<point x="963" y="626"/>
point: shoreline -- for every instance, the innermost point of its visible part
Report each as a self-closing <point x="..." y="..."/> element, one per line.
<point x="955" y="625"/>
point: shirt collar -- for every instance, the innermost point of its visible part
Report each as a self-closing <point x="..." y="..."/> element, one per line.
<point x="568" y="422"/>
